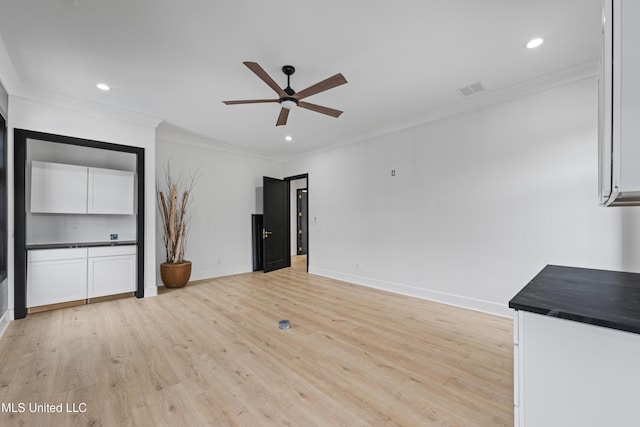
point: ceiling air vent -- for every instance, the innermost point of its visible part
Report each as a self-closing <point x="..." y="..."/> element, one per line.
<point x="472" y="89"/>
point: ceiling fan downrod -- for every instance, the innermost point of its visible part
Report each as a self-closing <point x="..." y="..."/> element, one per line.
<point x="289" y="70"/>
<point x="288" y="102"/>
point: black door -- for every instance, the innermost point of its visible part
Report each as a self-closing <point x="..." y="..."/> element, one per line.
<point x="302" y="222"/>
<point x="275" y="232"/>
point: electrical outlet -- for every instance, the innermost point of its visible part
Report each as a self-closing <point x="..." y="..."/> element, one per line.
<point x="114" y="237"/>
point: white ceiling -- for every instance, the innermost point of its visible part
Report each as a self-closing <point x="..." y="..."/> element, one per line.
<point x="404" y="59"/>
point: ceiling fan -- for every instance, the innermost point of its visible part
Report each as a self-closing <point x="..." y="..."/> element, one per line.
<point x="289" y="98"/>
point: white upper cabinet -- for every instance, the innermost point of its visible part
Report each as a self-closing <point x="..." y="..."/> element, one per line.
<point x="619" y="104"/>
<point x="58" y="188"/>
<point x="70" y="189"/>
<point x="110" y="192"/>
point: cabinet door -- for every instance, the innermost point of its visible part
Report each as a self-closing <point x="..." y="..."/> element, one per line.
<point x="58" y="188"/>
<point x="626" y="22"/>
<point x="577" y="374"/>
<point x="110" y="192"/>
<point x="112" y="275"/>
<point x="56" y="281"/>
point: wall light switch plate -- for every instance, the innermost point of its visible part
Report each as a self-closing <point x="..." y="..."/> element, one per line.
<point x="114" y="237"/>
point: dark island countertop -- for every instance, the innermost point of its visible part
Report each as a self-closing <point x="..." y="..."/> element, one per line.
<point x="598" y="297"/>
<point x="80" y="244"/>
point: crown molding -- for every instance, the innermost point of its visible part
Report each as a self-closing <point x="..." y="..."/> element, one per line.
<point x="482" y="100"/>
<point x="8" y="75"/>
<point x="87" y="107"/>
<point x="168" y="132"/>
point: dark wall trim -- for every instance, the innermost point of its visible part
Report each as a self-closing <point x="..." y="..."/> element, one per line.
<point x="20" y="228"/>
<point x="293" y="178"/>
<point x="140" y="222"/>
<point x="20" y="163"/>
<point x="4" y="197"/>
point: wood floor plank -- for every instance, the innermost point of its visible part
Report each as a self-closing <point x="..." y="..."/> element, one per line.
<point x="212" y="354"/>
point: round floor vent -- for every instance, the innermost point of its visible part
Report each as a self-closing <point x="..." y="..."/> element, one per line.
<point x="284" y="324"/>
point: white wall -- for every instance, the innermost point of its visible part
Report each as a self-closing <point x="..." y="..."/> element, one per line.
<point x="90" y="122"/>
<point x="480" y="202"/>
<point x="219" y="239"/>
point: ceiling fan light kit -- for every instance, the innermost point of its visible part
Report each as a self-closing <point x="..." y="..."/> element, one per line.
<point x="288" y="103"/>
<point x="289" y="98"/>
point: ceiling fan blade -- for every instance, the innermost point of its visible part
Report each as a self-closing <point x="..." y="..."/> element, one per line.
<point x="320" y="109"/>
<point x="282" y="118"/>
<point x="250" y="101"/>
<point x="326" y="84"/>
<point x="265" y="78"/>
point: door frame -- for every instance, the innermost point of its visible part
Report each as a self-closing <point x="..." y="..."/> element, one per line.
<point x="300" y="221"/>
<point x="293" y="178"/>
<point x="20" y="137"/>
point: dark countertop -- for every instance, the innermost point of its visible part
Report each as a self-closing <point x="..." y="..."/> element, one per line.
<point x="80" y="244"/>
<point x="598" y="297"/>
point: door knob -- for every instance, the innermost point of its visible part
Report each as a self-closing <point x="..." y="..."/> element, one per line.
<point x="266" y="233"/>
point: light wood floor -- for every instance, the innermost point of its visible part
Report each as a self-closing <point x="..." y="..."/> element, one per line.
<point x="212" y="354"/>
<point x="299" y="263"/>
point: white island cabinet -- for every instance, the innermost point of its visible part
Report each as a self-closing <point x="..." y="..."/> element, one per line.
<point x="577" y="349"/>
<point x="56" y="275"/>
<point x="570" y="373"/>
<point x="111" y="270"/>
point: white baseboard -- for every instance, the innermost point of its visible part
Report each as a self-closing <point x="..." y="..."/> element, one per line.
<point x="211" y="274"/>
<point x="5" y="320"/>
<point x="150" y="291"/>
<point x="412" y="291"/>
<point x="220" y="272"/>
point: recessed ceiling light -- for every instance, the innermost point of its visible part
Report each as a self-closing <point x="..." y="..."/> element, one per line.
<point x="534" y="43"/>
<point x="103" y="86"/>
<point x="288" y="138"/>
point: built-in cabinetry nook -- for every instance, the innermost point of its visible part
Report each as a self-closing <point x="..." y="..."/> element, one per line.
<point x="81" y="205"/>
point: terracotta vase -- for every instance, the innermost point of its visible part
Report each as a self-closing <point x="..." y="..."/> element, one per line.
<point x="175" y="275"/>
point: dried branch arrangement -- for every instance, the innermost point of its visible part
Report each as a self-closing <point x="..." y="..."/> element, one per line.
<point x="174" y="213"/>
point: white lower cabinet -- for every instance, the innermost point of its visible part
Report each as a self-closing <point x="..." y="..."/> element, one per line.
<point x="71" y="274"/>
<point x="56" y="275"/>
<point x="570" y="373"/>
<point x="112" y="270"/>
